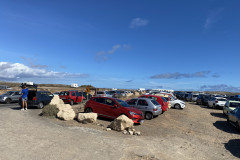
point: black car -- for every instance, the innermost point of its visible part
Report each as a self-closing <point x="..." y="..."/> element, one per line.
<point x="38" y="98"/>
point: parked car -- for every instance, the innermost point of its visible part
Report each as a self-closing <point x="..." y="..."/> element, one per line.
<point x="38" y="98"/>
<point x="149" y="107"/>
<point x="189" y="97"/>
<point x="112" y="108"/>
<point x="202" y="99"/>
<point x="230" y="105"/>
<point x="217" y="102"/>
<point x="234" y="118"/>
<point x="194" y="97"/>
<point x="102" y="94"/>
<point x="159" y="99"/>
<point x="10" y="96"/>
<point x="167" y="97"/>
<point x="71" y="97"/>
<point x="4" y="87"/>
<point x="174" y="102"/>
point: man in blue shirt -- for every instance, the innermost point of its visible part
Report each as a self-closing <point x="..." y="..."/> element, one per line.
<point x="24" y="97"/>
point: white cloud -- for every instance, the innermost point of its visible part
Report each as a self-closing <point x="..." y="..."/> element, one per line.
<point x="104" y="55"/>
<point x="13" y="71"/>
<point x="138" y="22"/>
<point x="212" y="18"/>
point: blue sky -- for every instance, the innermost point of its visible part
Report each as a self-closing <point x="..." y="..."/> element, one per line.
<point x="172" y="44"/>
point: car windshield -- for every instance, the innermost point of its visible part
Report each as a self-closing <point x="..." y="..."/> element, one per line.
<point x="234" y="104"/>
<point x="8" y="93"/>
<point x="155" y="102"/>
<point x="122" y="103"/>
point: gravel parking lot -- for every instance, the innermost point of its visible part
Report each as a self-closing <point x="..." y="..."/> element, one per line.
<point x="195" y="132"/>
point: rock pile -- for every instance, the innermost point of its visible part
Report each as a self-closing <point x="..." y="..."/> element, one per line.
<point x="65" y="110"/>
<point x="131" y="131"/>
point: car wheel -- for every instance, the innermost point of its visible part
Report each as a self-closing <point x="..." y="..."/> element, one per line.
<point x="8" y="100"/>
<point x="71" y="103"/>
<point x="228" y="120"/>
<point x="88" y="110"/>
<point x="148" y="116"/>
<point x="40" y="105"/>
<point x="177" y="106"/>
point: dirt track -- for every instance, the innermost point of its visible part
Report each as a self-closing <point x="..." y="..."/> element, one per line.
<point x="193" y="133"/>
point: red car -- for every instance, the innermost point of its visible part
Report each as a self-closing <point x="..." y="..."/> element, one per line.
<point x="112" y="108"/>
<point x="71" y="97"/>
<point x="159" y="99"/>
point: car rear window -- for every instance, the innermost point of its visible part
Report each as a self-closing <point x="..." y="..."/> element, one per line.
<point x="155" y="102"/>
<point x="234" y="104"/>
<point x="164" y="99"/>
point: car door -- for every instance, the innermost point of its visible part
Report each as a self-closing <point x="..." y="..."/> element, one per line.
<point x="73" y="96"/>
<point x="15" y="96"/>
<point x="98" y="106"/>
<point x="210" y="102"/>
<point x="111" y="108"/>
<point x="142" y="105"/>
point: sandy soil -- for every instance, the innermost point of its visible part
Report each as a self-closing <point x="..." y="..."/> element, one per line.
<point x="195" y="132"/>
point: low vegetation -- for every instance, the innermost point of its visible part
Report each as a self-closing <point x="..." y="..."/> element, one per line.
<point x="50" y="111"/>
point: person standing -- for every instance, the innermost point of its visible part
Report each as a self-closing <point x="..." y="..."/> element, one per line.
<point x="24" y="97"/>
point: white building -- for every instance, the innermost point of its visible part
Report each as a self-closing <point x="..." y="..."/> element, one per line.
<point x="74" y="85"/>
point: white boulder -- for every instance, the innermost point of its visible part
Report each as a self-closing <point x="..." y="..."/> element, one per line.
<point x="87" y="117"/>
<point x="66" y="114"/>
<point x="121" y="123"/>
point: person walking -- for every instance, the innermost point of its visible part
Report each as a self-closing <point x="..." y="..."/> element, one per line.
<point x="24" y="97"/>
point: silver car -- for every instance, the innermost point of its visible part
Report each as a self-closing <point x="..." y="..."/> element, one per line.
<point x="10" y="96"/>
<point x="148" y="106"/>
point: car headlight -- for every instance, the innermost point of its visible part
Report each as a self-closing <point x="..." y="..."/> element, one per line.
<point x="132" y="113"/>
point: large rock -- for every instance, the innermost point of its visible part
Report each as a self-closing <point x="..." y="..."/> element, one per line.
<point x="65" y="110"/>
<point x="56" y="101"/>
<point x="87" y="117"/>
<point x="121" y="123"/>
<point x="66" y="114"/>
<point x="136" y="94"/>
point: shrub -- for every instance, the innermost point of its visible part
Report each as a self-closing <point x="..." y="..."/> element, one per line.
<point x="50" y="111"/>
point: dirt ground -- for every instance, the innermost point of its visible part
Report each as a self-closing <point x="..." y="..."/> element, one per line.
<point x="196" y="132"/>
<point x="195" y="129"/>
